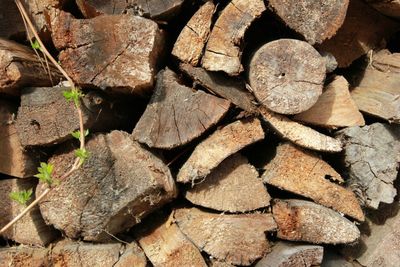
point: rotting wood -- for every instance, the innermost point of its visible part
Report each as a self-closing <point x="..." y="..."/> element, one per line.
<point x="227" y="237"/>
<point x="335" y="108"/>
<point x="189" y="46"/>
<point x="388" y="8"/>
<point x="218" y="146"/>
<point x="300" y="220"/>
<point x="372" y="156"/>
<point x="285" y="254"/>
<point x="223" y="49"/>
<point x="304" y="173"/>
<point x="233" y="186"/>
<point x="115" y="52"/>
<point x="315" y="20"/>
<point x="115" y="188"/>
<point x="176" y="114"/>
<point x="287" y="75"/>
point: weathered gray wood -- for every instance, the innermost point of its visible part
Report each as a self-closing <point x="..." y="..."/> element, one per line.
<point x="118" y="185"/>
<point x="388" y="8"/>
<point x="176" y="114"/>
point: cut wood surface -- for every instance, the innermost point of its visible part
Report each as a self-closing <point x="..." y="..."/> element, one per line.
<point x="166" y="246"/>
<point x="372" y="157"/>
<point x="224" y="47"/>
<point x="377" y="91"/>
<point x="116" y="52"/>
<point x="14" y="159"/>
<point x="118" y="185"/>
<point x="363" y="29"/>
<point x="315" y="20"/>
<point x="227" y="237"/>
<point x="31" y="229"/>
<point x="233" y="186"/>
<point x="218" y="146"/>
<point x="287" y="75"/>
<point x="176" y="114"/>
<point x="334" y="108"/>
<point x="303" y="173"/>
<point x="19" y="67"/>
<point x="388" y="8"/>
<point x="300" y="220"/>
<point x="189" y="46"/>
<point x="11" y="24"/>
<point x="285" y="254"/>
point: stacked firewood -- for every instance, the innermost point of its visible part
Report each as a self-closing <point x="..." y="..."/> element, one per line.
<point x="221" y="133"/>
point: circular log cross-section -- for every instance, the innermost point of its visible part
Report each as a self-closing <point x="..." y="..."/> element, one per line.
<point x="287" y="76"/>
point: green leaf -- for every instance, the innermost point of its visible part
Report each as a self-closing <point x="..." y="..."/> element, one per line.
<point x="45" y="171"/>
<point x="73" y="95"/>
<point x="77" y="134"/>
<point x="82" y="154"/>
<point x="35" y="45"/>
<point x="22" y="197"/>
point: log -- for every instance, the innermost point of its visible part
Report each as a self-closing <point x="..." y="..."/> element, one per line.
<point x="335" y="108"/>
<point x="285" y="254"/>
<point x="224" y="47"/>
<point x="165" y="245"/>
<point x="31" y="229"/>
<point x="20" y="67"/>
<point x="287" y="75"/>
<point x="227" y="237"/>
<point x="372" y="157"/>
<point x="21" y="256"/>
<point x="11" y="24"/>
<point x="217" y="263"/>
<point x="218" y="146"/>
<point x="388" y="8"/>
<point x="189" y="46"/>
<point x="115" y="52"/>
<point x="304" y="173"/>
<point x="45" y="118"/>
<point x="14" y="159"/>
<point x="176" y="114"/>
<point x="376" y="91"/>
<point x="116" y="187"/>
<point x="154" y="9"/>
<point x="300" y="220"/>
<point x="315" y="20"/>
<point x="363" y="30"/>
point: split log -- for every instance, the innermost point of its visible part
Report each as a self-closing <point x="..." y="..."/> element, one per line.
<point x="22" y="256"/>
<point x="11" y="24"/>
<point x="315" y="20"/>
<point x="31" y="229"/>
<point x="46" y="118"/>
<point x="189" y="46"/>
<point x="20" y="67"/>
<point x="304" y="173"/>
<point x="388" y="8"/>
<point x="165" y="245"/>
<point x="116" y="187"/>
<point x="227" y="237"/>
<point x="363" y="29"/>
<point x="218" y="146"/>
<point x="285" y="254"/>
<point x="223" y="49"/>
<point x="233" y="186"/>
<point x="176" y="114"/>
<point x="287" y="75"/>
<point x="335" y="107"/>
<point x="372" y="157"/>
<point x="377" y="90"/>
<point x="300" y="220"/>
<point x="154" y="9"/>
<point x="116" y="52"/>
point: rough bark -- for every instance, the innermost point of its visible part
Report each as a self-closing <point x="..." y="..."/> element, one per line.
<point x="287" y="75"/>
<point x="335" y="107"/>
<point x="315" y="20"/>
<point x="372" y="157"/>
<point x="189" y="46"/>
<point x="227" y="237"/>
<point x="116" y="52"/>
<point x="300" y="220"/>
<point x="223" y="49"/>
<point x="218" y="146"/>
<point x="304" y="173"/>
<point x="118" y="185"/>
<point x="176" y="114"/>
<point x="388" y="8"/>
<point x="285" y="254"/>
<point x="11" y="24"/>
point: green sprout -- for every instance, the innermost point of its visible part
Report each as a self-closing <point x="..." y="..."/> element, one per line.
<point x="82" y="154"/>
<point x="45" y="172"/>
<point x="22" y="197"/>
<point x="77" y="134"/>
<point x="35" y="45"/>
<point x="73" y="95"/>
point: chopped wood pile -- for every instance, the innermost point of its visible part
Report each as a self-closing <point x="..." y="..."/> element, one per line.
<point x="220" y="133"/>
